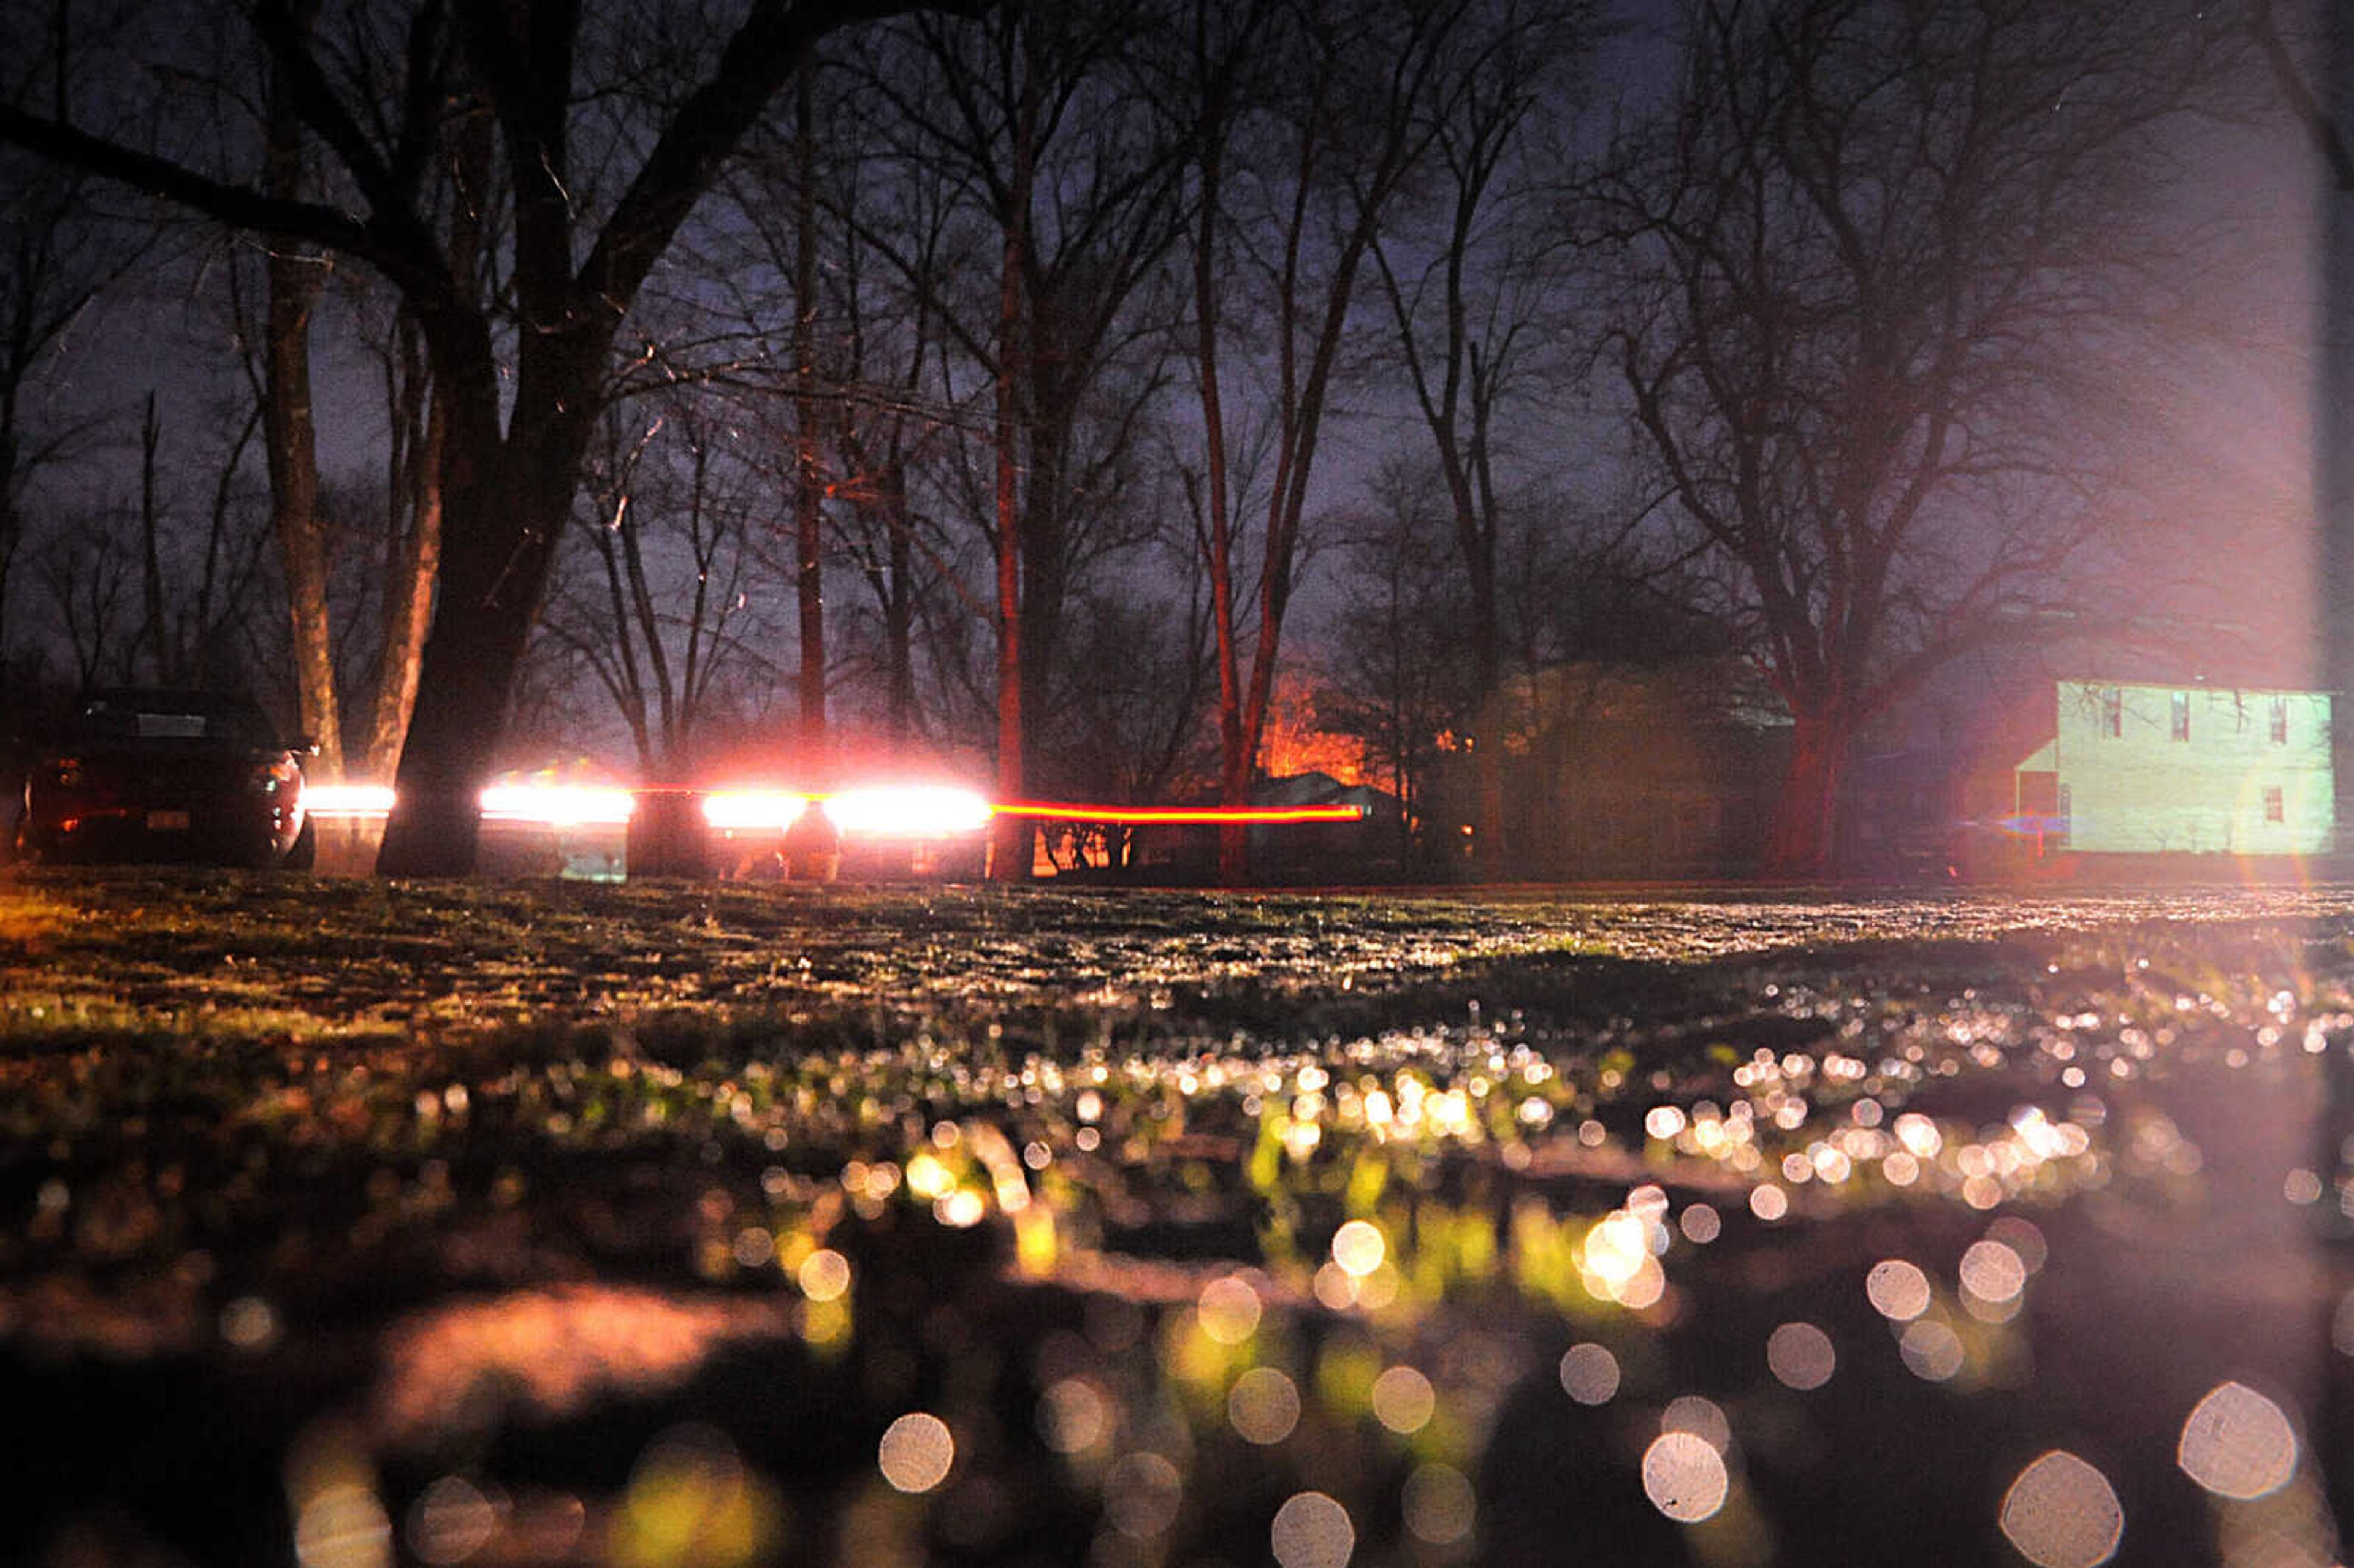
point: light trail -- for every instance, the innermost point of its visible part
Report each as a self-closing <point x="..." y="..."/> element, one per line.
<point x="1087" y="811"/>
<point x="900" y="810"/>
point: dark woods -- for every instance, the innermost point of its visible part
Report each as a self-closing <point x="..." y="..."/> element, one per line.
<point x="1132" y="401"/>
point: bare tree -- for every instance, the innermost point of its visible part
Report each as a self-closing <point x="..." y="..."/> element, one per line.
<point x="1033" y="122"/>
<point x="1472" y="297"/>
<point x="1399" y="678"/>
<point x="1341" y="123"/>
<point x="660" y="608"/>
<point x="1882" y="265"/>
<point x="521" y="406"/>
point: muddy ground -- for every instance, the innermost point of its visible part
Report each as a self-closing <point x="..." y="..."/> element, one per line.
<point x="352" y="1222"/>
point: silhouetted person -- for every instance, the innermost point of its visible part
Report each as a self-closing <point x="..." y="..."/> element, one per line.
<point x="813" y="846"/>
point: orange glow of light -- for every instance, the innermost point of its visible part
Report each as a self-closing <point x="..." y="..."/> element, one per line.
<point x="1085" y="811"/>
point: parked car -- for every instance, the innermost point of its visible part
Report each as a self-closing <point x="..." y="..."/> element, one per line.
<point x="147" y="774"/>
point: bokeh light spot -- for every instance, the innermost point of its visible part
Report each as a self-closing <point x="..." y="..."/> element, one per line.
<point x="1313" y="1531"/>
<point x="1589" y="1373"/>
<point x="1932" y="1350"/>
<point x="1701" y="1224"/>
<point x="1228" y="1310"/>
<point x="1073" y="1416"/>
<point x="342" y="1526"/>
<point x="916" y="1452"/>
<point x="1263" y="1405"/>
<point x="1703" y="1418"/>
<point x="1991" y="1271"/>
<point x="451" y="1520"/>
<point x="1440" y="1506"/>
<point x="1141" y="1494"/>
<point x="1684" y="1477"/>
<point x="1899" y="1290"/>
<point x="1768" y="1201"/>
<point x="2237" y="1443"/>
<point x="1404" y="1400"/>
<point x="1801" y="1356"/>
<point x="2061" y="1512"/>
<point x="825" y="1275"/>
<point x="1359" y="1247"/>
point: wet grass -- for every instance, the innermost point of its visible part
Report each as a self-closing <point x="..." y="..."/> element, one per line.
<point x="568" y="1223"/>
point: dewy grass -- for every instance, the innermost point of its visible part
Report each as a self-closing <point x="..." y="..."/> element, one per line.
<point x="1163" y="1210"/>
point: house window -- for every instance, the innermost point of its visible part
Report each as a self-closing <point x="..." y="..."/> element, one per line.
<point x="2181" y="716"/>
<point x="2113" y="712"/>
<point x="2280" y="721"/>
<point x="2276" y="809"/>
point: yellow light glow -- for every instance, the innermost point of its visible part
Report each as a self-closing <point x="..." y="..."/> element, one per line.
<point x="1359" y="1248"/>
<point x="825" y="1275"/>
<point x="1616" y="1249"/>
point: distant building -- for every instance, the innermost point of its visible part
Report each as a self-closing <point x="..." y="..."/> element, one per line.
<point x="1622" y="771"/>
<point x="2135" y="768"/>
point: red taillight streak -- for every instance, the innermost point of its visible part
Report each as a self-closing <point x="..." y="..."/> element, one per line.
<point x="1085" y="811"/>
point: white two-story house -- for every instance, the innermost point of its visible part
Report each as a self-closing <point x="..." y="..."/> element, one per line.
<point x="2137" y="769"/>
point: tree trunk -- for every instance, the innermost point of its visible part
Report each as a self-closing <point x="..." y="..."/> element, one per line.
<point x="153" y="633"/>
<point x="1233" y="757"/>
<point x="809" y="466"/>
<point x="505" y="500"/>
<point x="289" y="438"/>
<point x="412" y="559"/>
<point x="1801" y="842"/>
<point x="1010" y="860"/>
